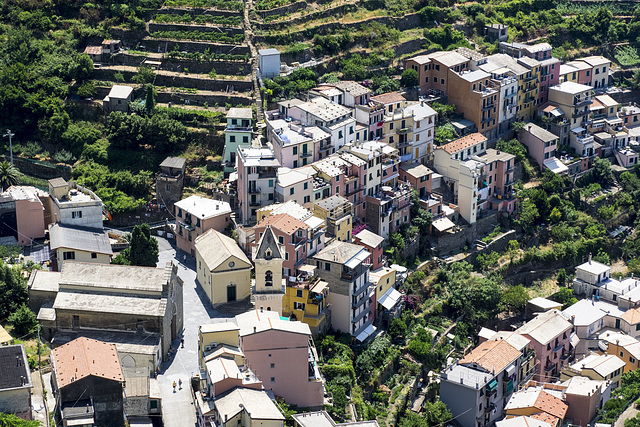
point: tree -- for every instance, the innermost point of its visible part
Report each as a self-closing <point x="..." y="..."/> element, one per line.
<point x="86" y="90"/>
<point x="397" y="328"/>
<point x="565" y="297"/>
<point x="144" y="75"/>
<point x="397" y="241"/>
<point x="150" y="101"/>
<point x="9" y="175"/>
<point x="602" y="172"/>
<point x="10" y="420"/>
<point x="23" y="320"/>
<point x="445" y="133"/>
<point x="555" y="216"/>
<point x="529" y="214"/>
<point x="142" y="250"/>
<point x="515" y="298"/>
<point x="409" y="78"/>
<point x="13" y="290"/>
<point x="433" y="414"/>
<point x="518" y="126"/>
<point x="561" y="277"/>
<point x="83" y="67"/>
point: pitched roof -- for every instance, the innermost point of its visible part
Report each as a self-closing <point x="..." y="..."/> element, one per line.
<point x="388" y="98"/>
<point x="492" y="356"/>
<point x="215" y="248"/>
<point x="522" y="421"/>
<point x="283" y="222"/>
<point x="256" y="321"/>
<point x="369" y="238"/>
<point x="551" y="405"/>
<point x="545" y="327"/>
<point x="79" y="238"/>
<point x="256" y="402"/>
<point x="341" y="252"/>
<point x="14" y="368"/>
<point x="203" y="207"/>
<point x="538" y="399"/>
<point x="416" y="170"/>
<point x="632" y="316"/>
<point x="173" y="162"/>
<point x="464" y="142"/>
<point x="268" y="243"/>
<point x="239" y="113"/>
<point x="603" y="364"/>
<point x="540" y="133"/>
<point x="85" y="357"/>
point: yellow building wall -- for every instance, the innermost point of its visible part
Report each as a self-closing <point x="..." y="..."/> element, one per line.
<point x="81" y="256"/>
<point x="343" y="229"/>
<point x="229" y="338"/>
<point x="309" y="308"/>
<point x="215" y="283"/>
<point x="626" y="357"/>
<point x="386" y="282"/>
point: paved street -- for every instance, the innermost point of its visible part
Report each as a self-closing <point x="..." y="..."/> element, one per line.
<point x="178" y="408"/>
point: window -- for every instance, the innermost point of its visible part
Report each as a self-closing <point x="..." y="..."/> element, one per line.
<point x="167" y="187"/>
<point x="76" y="214"/>
<point x="295" y="150"/>
<point x="94" y="255"/>
<point x="153" y="404"/>
<point x="272" y="365"/>
<point x="391" y="126"/>
<point x="291" y="191"/>
<point x="441" y="81"/>
<point x="298" y="293"/>
<point x="327" y="266"/>
<point x="68" y="255"/>
<point x="340" y="135"/>
<point x="350" y="130"/>
<point x="281" y="240"/>
<point x="268" y="278"/>
<point x="245" y="139"/>
<point x="273" y="380"/>
<point x="270" y="183"/>
<point x="621" y="354"/>
<point x="232" y="138"/>
<point x="298" y="306"/>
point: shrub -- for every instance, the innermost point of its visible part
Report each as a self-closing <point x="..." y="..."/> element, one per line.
<point x="23" y="320"/>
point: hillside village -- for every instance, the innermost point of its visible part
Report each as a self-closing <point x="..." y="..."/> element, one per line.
<point x="247" y="213"/>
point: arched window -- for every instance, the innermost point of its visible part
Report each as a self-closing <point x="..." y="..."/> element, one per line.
<point x="268" y="278"/>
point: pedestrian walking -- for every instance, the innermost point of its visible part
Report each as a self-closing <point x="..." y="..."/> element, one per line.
<point x="174" y="386"/>
<point x="180" y="383"/>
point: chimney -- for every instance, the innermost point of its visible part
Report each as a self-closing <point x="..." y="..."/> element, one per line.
<point x="589" y="257"/>
<point x="18" y="361"/>
<point x="254" y="329"/>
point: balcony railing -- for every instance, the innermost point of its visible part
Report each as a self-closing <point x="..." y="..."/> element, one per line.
<point x="254" y="203"/>
<point x="488" y="106"/>
<point x="528" y="79"/>
<point x="325" y="147"/>
<point x="360" y="315"/>
<point x="404" y="130"/>
<point x="582" y="102"/>
<point x="254" y="190"/>
<point x="270" y="290"/>
<point x="487" y="119"/>
<point x="509" y="95"/>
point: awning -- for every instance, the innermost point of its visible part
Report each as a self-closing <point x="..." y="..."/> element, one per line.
<point x="80" y="421"/>
<point x="493" y="384"/>
<point x="307" y="268"/>
<point x="578" y="130"/>
<point x="358" y="259"/>
<point x="390" y="298"/>
<point x="557" y="112"/>
<point x="574" y="340"/>
<point x="443" y="224"/>
<point x="366" y="333"/>
<point x="319" y="287"/>
<point x="511" y="370"/>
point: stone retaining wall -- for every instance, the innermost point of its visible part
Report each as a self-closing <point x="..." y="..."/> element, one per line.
<point x="198" y="11"/>
<point x="184" y="81"/>
<point x="154" y="26"/>
<point x="166" y="45"/>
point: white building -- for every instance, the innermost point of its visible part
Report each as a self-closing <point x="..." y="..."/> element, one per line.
<point x="424" y="125"/>
<point x="74" y="204"/>
<point x="118" y="99"/>
<point x="257" y="175"/>
<point x="269" y="63"/>
<point x="331" y="117"/>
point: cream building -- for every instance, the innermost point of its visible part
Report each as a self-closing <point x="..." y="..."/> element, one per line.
<point x="223" y="270"/>
<point x="79" y="244"/>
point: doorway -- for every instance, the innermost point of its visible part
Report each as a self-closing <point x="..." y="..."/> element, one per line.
<point x="231" y="293"/>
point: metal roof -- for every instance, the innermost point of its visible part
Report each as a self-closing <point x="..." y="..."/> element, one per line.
<point x="80" y="239"/>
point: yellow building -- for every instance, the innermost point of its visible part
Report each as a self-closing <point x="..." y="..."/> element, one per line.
<point x="603" y="367"/>
<point x="336" y="212"/>
<point x="223" y="270"/>
<point x="528" y="89"/>
<point x="79" y="244"/>
<point x="216" y="336"/>
<point x="306" y="300"/>
<point x="623" y="346"/>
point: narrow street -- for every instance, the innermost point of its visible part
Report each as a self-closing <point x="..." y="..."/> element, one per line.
<point x="178" y="408"/>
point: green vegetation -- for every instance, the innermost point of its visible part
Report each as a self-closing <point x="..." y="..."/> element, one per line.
<point x="622" y="397"/>
<point x="10" y="420"/>
<point x="231" y="21"/>
<point x="213" y="36"/>
<point x="215" y="4"/>
<point x="142" y="250"/>
<point x="23" y="320"/>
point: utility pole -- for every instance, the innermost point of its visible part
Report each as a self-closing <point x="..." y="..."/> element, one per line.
<point x="10" y="135"/>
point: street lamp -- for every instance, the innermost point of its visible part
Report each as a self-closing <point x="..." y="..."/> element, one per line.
<point x="10" y="135"/>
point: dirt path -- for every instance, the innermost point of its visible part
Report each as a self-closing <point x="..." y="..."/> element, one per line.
<point x="630" y="412"/>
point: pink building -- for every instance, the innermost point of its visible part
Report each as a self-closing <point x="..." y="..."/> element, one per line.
<point x="281" y="354"/>
<point x="371" y="115"/>
<point x="418" y="176"/>
<point x="551" y="338"/>
<point x="373" y="243"/>
<point x="196" y="215"/>
<point x="541" y="143"/>
<point x="291" y="234"/>
<point x="577" y="72"/>
<point x="295" y="145"/>
<point x="23" y="214"/>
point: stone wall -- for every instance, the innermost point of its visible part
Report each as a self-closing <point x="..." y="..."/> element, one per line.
<point x="166" y="45"/>
<point x="197" y="11"/>
<point x="154" y="26"/>
<point x="15" y="401"/>
<point x="185" y="81"/>
<point x="283" y="10"/>
<point x="229" y="68"/>
<point x="320" y="14"/>
<point x="499" y="244"/>
<point x="41" y="169"/>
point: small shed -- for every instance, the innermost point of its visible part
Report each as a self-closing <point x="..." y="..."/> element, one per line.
<point x="94" y="52"/>
<point x="118" y="99"/>
<point x="269" y="63"/>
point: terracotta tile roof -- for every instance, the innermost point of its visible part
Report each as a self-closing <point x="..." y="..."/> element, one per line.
<point x="551" y="405"/>
<point x="283" y="222"/>
<point x="84" y="357"/>
<point x="547" y="418"/>
<point x="464" y="142"/>
<point x="388" y="98"/>
<point x="632" y="316"/>
<point x="492" y="356"/>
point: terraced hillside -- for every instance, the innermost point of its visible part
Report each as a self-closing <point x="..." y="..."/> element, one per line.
<point x="197" y="51"/>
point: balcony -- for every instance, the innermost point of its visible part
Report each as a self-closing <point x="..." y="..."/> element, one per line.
<point x="325" y="147"/>
<point x="350" y="178"/>
<point x="306" y="154"/>
<point x="186" y="226"/>
<point x="363" y="313"/>
<point x="254" y="190"/>
<point x="582" y="102"/>
<point x="238" y="128"/>
<point x="565" y="356"/>
<point x="581" y="113"/>
<point x="404" y="130"/>
<point x="254" y="203"/>
<point x="363" y="287"/>
<point x="267" y="174"/>
<point x="509" y="96"/>
<point x="584" y="139"/>
<point x="549" y="368"/>
<point x="488" y="106"/>
<point x="487" y="119"/>
<point x="530" y="78"/>
<point x="354" y="191"/>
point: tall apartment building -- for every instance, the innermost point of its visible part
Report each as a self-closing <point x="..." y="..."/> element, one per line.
<point x="550" y="334"/>
<point x="331" y="117"/>
<point x="477" y="387"/>
<point x="256" y="181"/>
<point x="475" y="95"/>
<point x="424" y="130"/>
<point x="238" y="133"/>
<point x="574" y="100"/>
<point x="295" y="145"/>
<point x="600" y="74"/>
<point x="541" y="143"/>
<point x="433" y="70"/>
<point x="337" y="212"/>
<point x="389" y="209"/>
<point x="343" y="266"/>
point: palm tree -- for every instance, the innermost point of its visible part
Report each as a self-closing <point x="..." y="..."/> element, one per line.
<point x="9" y="175"/>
